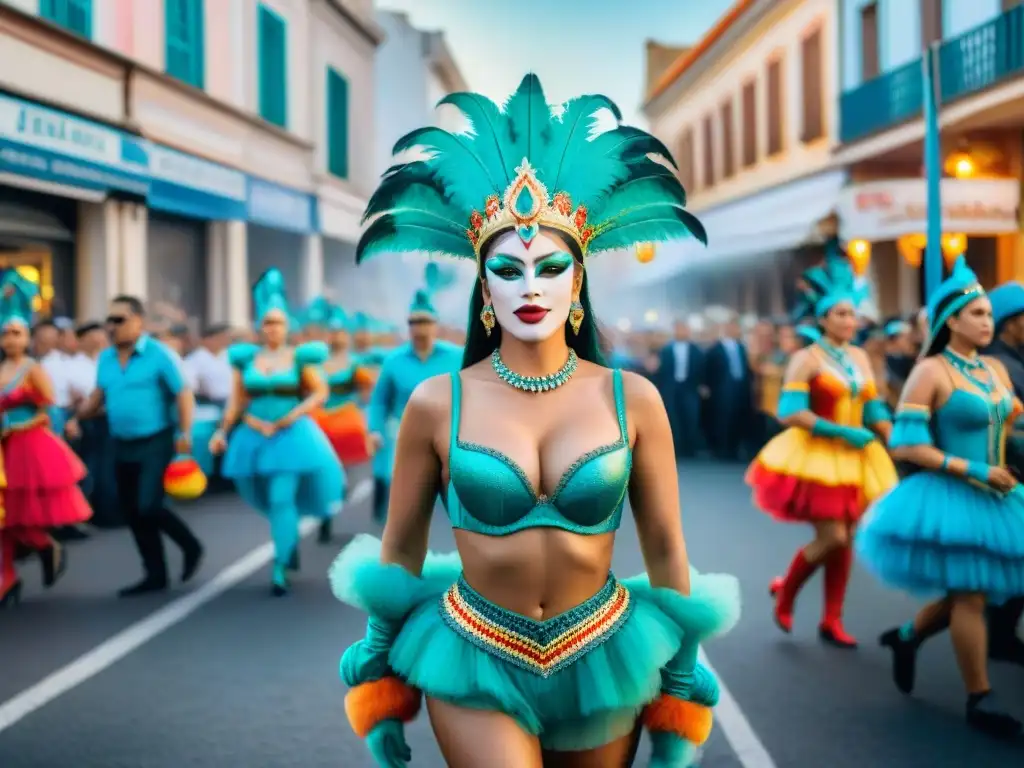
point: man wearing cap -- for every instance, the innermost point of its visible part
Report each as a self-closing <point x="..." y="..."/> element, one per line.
<point x="423" y="356"/>
<point x="1008" y="347"/>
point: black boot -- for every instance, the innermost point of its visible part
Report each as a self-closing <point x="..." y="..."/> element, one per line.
<point x="294" y="563"/>
<point x="985" y="714"/>
<point x="324" y="534"/>
<point x="381" y="495"/>
<point x="54" y="560"/>
<point x="904" y="658"/>
<point x="1003" y="642"/>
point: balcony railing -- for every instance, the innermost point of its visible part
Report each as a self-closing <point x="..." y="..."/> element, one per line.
<point x="971" y="62"/>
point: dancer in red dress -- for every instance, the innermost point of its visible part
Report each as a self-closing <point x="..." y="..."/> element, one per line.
<point x="41" y="470"/>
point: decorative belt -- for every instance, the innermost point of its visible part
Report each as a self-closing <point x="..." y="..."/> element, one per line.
<point x="541" y="647"/>
<point x="40" y="419"/>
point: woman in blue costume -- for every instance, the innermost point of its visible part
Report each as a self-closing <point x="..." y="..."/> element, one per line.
<point x="528" y="651"/>
<point x="349" y="385"/>
<point x="954" y="530"/>
<point x="280" y="461"/>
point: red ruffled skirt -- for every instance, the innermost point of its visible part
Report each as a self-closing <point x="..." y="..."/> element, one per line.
<point x="798" y="477"/>
<point x="346" y="428"/>
<point x="42" y="481"/>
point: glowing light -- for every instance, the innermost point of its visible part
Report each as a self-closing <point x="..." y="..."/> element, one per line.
<point x="650" y="317"/>
<point x="954" y="244"/>
<point x="911" y="248"/>
<point x="859" y="252"/>
<point x="645" y="252"/>
<point x="961" y="165"/>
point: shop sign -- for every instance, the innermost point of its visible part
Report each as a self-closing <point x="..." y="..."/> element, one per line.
<point x="887" y="210"/>
<point x="47" y="144"/>
<point x="195" y="187"/>
<point x="277" y="207"/>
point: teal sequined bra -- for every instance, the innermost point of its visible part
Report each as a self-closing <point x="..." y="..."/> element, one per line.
<point x="489" y="493"/>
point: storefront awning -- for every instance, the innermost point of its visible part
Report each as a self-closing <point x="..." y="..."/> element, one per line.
<point x="776" y="220"/>
<point x="26" y="223"/>
<point x="886" y="210"/>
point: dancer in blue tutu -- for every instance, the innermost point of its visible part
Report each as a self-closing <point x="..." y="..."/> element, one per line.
<point x="954" y="530"/>
<point x="529" y="652"/>
<point x="280" y="460"/>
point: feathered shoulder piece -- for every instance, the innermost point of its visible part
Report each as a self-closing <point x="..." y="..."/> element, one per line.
<point x="521" y="168"/>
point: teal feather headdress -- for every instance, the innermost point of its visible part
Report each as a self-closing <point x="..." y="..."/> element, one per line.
<point x="16" y="295"/>
<point x="268" y="294"/>
<point x="317" y="313"/>
<point x="833" y="282"/>
<point x="523" y="168"/>
<point x="422" y="306"/>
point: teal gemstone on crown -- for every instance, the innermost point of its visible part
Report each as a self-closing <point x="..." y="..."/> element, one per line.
<point x="524" y="201"/>
<point x="527" y="232"/>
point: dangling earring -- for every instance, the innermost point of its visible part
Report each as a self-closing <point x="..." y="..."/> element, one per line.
<point x="487" y="318"/>
<point x="576" y="316"/>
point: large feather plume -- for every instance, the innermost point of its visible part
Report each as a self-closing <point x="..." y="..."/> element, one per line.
<point x="425" y="204"/>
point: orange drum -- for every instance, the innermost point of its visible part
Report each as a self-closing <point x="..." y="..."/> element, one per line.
<point x="346" y="428"/>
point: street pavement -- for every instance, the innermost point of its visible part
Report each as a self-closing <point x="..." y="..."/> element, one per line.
<point x="250" y="681"/>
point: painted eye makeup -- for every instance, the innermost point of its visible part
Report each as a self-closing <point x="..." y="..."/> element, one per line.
<point x="553" y="265"/>
<point x="504" y="267"/>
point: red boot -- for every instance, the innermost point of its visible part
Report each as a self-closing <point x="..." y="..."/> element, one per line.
<point x="786" y="589"/>
<point x="837" y="577"/>
<point x="10" y="584"/>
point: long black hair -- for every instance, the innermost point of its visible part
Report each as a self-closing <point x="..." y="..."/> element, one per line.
<point x="588" y="343"/>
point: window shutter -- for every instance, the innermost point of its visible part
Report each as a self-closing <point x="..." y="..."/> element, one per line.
<point x="709" y="152"/>
<point x="774" y="107"/>
<point x="273" y="68"/>
<point x="749" y="118"/>
<point x="337" y="124"/>
<point x="728" y="142"/>
<point x="811" y="64"/>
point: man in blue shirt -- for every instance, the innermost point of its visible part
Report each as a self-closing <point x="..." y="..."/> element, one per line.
<point x="140" y="384"/>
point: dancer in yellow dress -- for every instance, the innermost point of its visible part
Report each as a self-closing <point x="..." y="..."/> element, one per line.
<point x="827" y="466"/>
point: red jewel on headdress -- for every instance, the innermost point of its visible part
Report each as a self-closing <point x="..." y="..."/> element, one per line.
<point x="586" y="235"/>
<point x="491" y="206"/>
<point x="476" y="220"/>
<point x="471" y="234"/>
<point x="580" y="218"/>
<point x="562" y="203"/>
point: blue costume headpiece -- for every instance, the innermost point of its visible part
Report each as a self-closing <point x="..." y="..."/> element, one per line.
<point x="808" y="333"/>
<point x="1007" y="302"/>
<point x="360" y="323"/>
<point x="953" y="294"/>
<point x="825" y="285"/>
<point x="16" y="296"/>
<point x="338" y="320"/>
<point x="896" y="328"/>
<point x="422" y="306"/>
<point x="317" y="314"/>
<point x="268" y="294"/>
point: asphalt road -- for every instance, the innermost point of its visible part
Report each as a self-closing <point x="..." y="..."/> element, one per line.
<point x="249" y="681"/>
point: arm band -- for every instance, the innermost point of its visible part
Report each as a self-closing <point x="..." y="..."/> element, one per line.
<point x="978" y="472"/>
<point x="911" y="428"/>
<point x="876" y="412"/>
<point x="794" y="399"/>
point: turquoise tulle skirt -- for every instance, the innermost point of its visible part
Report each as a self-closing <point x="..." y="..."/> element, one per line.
<point x="302" y="449"/>
<point x="591" y="700"/>
<point x="933" y="534"/>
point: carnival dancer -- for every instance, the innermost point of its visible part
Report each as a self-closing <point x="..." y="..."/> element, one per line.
<point x="280" y="461"/>
<point x="41" y="470"/>
<point x="524" y="645"/>
<point x="953" y="531"/>
<point x="404" y="369"/>
<point x="349" y="385"/>
<point x="827" y="466"/>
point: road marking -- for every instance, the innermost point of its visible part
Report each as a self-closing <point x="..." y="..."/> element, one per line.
<point x="748" y="748"/>
<point x="111" y="651"/>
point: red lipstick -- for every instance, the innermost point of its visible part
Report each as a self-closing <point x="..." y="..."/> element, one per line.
<point x="531" y="314"/>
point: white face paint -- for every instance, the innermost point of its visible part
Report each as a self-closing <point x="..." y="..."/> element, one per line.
<point x="531" y="287"/>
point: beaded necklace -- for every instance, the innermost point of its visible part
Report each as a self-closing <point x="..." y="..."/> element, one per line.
<point x="840" y="359"/>
<point x="535" y="383"/>
<point x="970" y="368"/>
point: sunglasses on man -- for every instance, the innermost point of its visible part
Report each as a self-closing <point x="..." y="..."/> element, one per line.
<point x="116" y="320"/>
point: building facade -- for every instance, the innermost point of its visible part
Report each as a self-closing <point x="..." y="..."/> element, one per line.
<point x="748" y="113"/>
<point x="173" y="149"/>
<point x="979" y="51"/>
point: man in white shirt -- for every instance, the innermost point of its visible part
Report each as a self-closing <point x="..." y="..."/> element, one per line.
<point x="207" y="367"/>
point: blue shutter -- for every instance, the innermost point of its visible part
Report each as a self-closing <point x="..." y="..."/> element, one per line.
<point x="185" y="41"/>
<point x="337" y="124"/>
<point x="74" y="15"/>
<point x="273" y="67"/>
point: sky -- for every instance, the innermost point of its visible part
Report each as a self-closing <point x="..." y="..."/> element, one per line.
<point x="574" y="46"/>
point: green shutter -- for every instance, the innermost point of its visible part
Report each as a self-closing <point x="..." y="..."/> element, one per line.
<point x="74" y="15"/>
<point x="185" y="41"/>
<point x="337" y="124"/>
<point x="273" y="67"/>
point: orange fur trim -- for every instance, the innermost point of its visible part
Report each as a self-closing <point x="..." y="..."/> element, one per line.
<point x="385" y="699"/>
<point x="683" y="718"/>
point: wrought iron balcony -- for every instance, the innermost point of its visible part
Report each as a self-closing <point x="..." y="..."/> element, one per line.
<point x="975" y="60"/>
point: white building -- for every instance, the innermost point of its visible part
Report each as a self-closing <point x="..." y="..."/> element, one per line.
<point x="413" y="71"/>
<point x="748" y="113"/>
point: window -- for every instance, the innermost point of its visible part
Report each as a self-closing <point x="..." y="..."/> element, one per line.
<point x="272" y="45"/>
<point x="870" y="64"/>
<point x="728" y="142"/>
<point x="74" y="15"/>
<point x="709" y="152"/>
<point x="337" y="124"/>
<point x="685" y="161"/>
<point x="931" y="22"/>
<point x="749" y="117"/>
<point x="811" y="64"/>
<point x="774" y="107"/>
<point x="185" y="41"/>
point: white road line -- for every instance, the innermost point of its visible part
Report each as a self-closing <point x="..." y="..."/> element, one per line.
<point x="749" y="749"/>
<point x="111" y="651"/>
